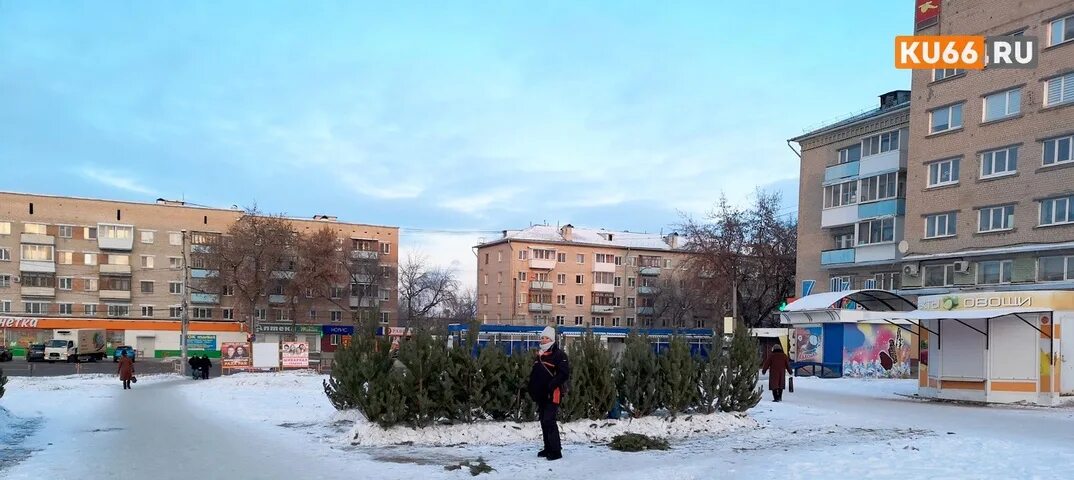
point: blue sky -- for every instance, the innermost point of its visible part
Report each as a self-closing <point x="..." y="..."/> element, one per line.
<point x="469" y="116"/>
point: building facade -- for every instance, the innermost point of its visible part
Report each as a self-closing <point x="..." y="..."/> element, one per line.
<point x="84" y="263"/>
<point x="546" y="275"/>
<point x="852" y="200"/>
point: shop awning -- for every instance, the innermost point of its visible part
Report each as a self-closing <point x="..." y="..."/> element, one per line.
<point x="950" y="314"/>
<point x="869" y="299"/>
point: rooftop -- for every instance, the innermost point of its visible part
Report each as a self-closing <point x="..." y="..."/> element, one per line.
<point x="589" y="236"/>
<point x="889" y="103"/>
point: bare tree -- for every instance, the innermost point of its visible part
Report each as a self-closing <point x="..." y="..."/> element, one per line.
<point x="678" y="299"/>
<point x="362" y="271"/>
<point x="313" y="270"/>
<point x="423" y="289"/>
<point x="461" y="307"/>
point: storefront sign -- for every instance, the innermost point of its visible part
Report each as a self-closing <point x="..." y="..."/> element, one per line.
<point x="996" y="300"/>
<point x="288" y="328"/>
<point x="398" y="331"/>
<point x="337" y="329"/>
<point x="201" y="342"/>
<point x="309" y="329"/>
<point x="16" y="322"/>
<point x="235" y="354"/>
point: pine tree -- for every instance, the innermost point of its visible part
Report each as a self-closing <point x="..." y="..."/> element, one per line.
<point x="600" y="377"/>
<point x="462" y="379"/>
<point x="424" y="385"/>
<point x="521" y="362"/>
<point x="363" y="378"/>
<point x="498" y="394"/>
<point x="712" y="377"/>
<point x="3" y="381"/>
<point x="678" y="377"/>
<point x="576" y="404"/>
<point x="637" y="377"/>
<point x="744" y="369"/>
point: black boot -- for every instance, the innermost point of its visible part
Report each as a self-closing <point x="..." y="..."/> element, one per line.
<point x="542" y="453"/>
<point x="554" y="455"/>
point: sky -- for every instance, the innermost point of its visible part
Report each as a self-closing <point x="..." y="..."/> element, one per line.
<point x="453" y="120"/>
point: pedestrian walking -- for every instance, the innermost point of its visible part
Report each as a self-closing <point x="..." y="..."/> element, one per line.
<point x="548" y="380"/>
<point x="206" y="365"/>
<point x="126" y="370"/>
<point x="194" y="366"/>
<point x="780" y="367"/>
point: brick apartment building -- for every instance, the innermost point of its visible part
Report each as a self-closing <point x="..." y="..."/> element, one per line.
<point x="84" y="263"/>
<point x="544" y="275"/>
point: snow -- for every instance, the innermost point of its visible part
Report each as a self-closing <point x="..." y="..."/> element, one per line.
<point x="828" y="428"/>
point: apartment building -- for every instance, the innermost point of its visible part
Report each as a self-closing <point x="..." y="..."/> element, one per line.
<point x="990" y="203"/>
<point x="545" y="275"/>
<point x="85" y="263"/>
<point x="852" y="200"/>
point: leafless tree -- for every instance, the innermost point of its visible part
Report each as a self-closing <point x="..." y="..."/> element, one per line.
<point x="423" y="289"/>
<point x="678" y="298"/>
<point x="461" y="307"/>
<point x="365" y="276"/>
<point x="313" y="270"/>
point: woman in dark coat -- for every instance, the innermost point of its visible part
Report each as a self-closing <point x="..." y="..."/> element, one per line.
<point x="126" y="370"/>
<point x="780" y="365"/>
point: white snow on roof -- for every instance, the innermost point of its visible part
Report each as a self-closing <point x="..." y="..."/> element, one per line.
<point x="548" y="233"/>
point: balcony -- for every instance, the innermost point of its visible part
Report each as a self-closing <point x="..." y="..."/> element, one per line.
<point x="115" y="295"/>
<point x="834" y="217"/>
<point x="883" y="208"/>
<point x="604" y="267"/>
<point x="540" y="285"/>
<point x="202" y="273"/>
<point x="277" y="299"/>
<point x="604" y="288"/>
<point x="649" y="271"/>
<point x="364" y="302"/>
<point x="364" y="255"/>
<point x="38" y="291"/>
<point x="37" y="239"/>
<point x="282" y="274"/>
<point x="843" y="170"/>
<point x="362" y="279"/>
<point x="876" y="253"/>
<point x="646" y="310"/>
<point x="543" y="263"/>
<point x="109" y="269"/>
<point x="602" y="309"/>
<point x="200" y="248"/>
<point x="115" y="237"/>
<point x="541" y="307"/>
<point x="37" y="266"/>
<point x="837" y="257"/>
<point x="643" y="290"/>
<point x="209" y="298"/>
<point x="882" y="163"/>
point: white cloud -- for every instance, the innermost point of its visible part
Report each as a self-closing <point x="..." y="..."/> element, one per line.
<point x="116" y="180"/>
<point x="450" y="250"/>
<point x="381" y="188"/>
<point x="477" y="203"/>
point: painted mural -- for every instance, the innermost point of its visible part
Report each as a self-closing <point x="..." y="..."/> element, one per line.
<point x="808" y="345"/>
<point x="876" y="351"/>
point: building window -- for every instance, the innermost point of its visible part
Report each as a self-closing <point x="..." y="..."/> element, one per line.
<point x="499" y="256"/>
<point x="333" y="340"/>
<point x="260" y="313"/>
<point x="175" y="238"/>
<point x="147" y="261"/>
<point x="66" y="231"/>
<point x="1056" y="211"/>
<point x="1059" y="90"/>
<point x="201" y="313"/>
<point x="119" y="260"/>
<point x="941" y="225"/>
<point x="5" y="254"/>
<point x="65" y="308"/>
<point x="841" y="194"/>
<point x="147" y="310"/>
<point x="1002" y="105"/>
<point x="630" y="302"/>
<point x="942" y="73"/>
<point x="5" y="228"/>
<point x="228" y="290"/>
<point x="945" y="118"/>
<point x="880" y="187"/>
<point x="850" y="154"/>
<point x="119" y="310"/>
<point x="561" y="278"/>
<point x="335" y="293"/>
<point x="579" y="279"/>
<point x="89" y="309"/>
<point x="38" y="253"/>
<point x="618" y="281"/>
<point x="385" y="317"/>
<point x="944" y="172"/>
<point x="1053" y="269"/>
<point x="175" y="288"/>
<point x="876" y="231"/>
<point x="499" y="299"/>
<point x="939" y="275"/>
<point x="1058" y="150"/>
<point x="386" y="248"/>
<point x="228" y="313"/>
<point x="605" y="278"/>
<point x="175" y="263"/>
<point x="90" y="233"/>
<point x="598" y="321"/>
<point x="618" y="260"/>
<point x="522" y="254"/>
<point x="630" y="321"/>
<point x="147" y="286"/>
<point x="89" y="284"/>
<point x="485" y="299"/>
<point x="631" y="281"/>
<point x="335" y="316"/>
<point x="175" y="312"/>
<point x="580" y="258"/>
<point x="840" y="284"/>
<point x="997" y="163"/>
<point x="522" y="276"/>
<point x="887" y="281"/>
<point x="521" y="299"/>
<point x="884" y="142"/>
<point x="148" y="237"/>
<point x="561" y="257"/>
<point x="36" y="308"/>
<point x="35" y="228"/>
<point x="561" y="299"/>
<point x="992" y="272"/>
<point x="64" y="283"/>
<point x="281" y="314"/>
<point x="578" y="320"/>
<point x="615" y="321"/>
<point x="5" y="281"/>
<point x="560" y="319"/>
<point x="1061" y="30"/>
<point x="579" y="299"/>
<point x="844" y="240"/>
<point x="992" y="219"/>
<point x="5" y="306"/>
<point x="485" y="279"/>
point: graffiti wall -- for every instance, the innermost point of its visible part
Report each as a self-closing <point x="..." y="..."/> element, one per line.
<point x="876" y="351"/>
<point x="808" y="346"/>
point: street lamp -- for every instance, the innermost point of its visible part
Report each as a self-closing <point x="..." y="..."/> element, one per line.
<point x="185" y="322"/>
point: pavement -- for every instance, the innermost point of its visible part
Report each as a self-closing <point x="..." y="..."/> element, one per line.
<point x="19" y="367"/>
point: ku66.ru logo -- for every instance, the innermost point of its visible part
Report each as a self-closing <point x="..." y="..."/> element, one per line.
<point x="967" y="52"/>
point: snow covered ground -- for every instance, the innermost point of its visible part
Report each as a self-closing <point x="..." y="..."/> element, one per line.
<point x="282" y="426"/>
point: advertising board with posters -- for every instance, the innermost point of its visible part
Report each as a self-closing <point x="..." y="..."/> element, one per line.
<point x="235" y="354"/>
<point x="296" y="355"/>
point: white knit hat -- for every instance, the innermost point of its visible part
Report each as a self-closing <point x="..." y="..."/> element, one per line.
<point x="549" y="333"/>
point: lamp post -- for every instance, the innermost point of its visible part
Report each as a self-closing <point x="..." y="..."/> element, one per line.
<point x="184" y="313"/>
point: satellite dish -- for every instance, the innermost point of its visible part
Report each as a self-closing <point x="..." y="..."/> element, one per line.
<point x="904" y="247"/>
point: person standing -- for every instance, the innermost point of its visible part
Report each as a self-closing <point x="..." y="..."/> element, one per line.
<point x="126" y="370"/>
<point x="206" y="365"/>
<point x="780" y="366"/>
<point x="550" y="373"/>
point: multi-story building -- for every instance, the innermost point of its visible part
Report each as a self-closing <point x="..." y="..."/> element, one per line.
<point x="990" y="182"/>
<point x="84" y="263"/>
<point x="544" y="275"/>
<point x="852" y="198"/>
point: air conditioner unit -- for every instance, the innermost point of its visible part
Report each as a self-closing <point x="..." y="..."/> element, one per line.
<point x="962" y="266"/>
<point x="16" y="279"/>
<point x="910" y="269"/>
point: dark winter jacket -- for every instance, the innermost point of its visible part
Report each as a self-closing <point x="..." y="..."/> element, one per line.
<point x="193" y="362"/>
<point x="550" y="372"/>
<point x="780" y="366"/>
<point x="126" y="368"/>
<point x="206" y="364"/>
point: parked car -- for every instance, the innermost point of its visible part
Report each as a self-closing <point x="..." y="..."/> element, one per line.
<point x="119" y="353"/>
<point x="5" y="354"/>
<point x="36" y="353"/>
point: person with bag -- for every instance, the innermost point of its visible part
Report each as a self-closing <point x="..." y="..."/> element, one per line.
<point x="780" y="366"/>
<point x="126" y="371"/>
<point x="548" y="383"/>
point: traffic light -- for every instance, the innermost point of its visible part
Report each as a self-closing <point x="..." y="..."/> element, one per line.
<point x="784" y="303"/>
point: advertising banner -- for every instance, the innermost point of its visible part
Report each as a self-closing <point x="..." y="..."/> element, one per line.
<point x="235" y="354"/>
<point x="296" y="355"/>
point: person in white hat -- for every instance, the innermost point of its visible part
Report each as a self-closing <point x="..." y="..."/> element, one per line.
<point x="548" y="382"/>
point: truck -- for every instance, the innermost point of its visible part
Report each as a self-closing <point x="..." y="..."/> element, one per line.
<point x="76" y="346"/>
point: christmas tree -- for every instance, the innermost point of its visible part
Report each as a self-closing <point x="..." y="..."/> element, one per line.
<point x="713" y="381"/>
<point x="637" y="377"/>
<point x="462" y="380"/>
<point x="424" y="386"/>
<point x="678" y="377"/>
<point x="744" y="369"/>
<point x="498" y="395"/>
<point x="521" y="362"/>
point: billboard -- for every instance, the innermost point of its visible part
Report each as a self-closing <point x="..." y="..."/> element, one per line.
<point x="296" y="355"/>
<point x="235" y="354"/>
<point x="201" y="342"/>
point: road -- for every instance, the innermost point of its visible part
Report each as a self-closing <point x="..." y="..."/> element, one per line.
<point x="19" y="367"/>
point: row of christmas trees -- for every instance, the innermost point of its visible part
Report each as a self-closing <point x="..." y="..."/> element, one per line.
<point x="426" y="382"/>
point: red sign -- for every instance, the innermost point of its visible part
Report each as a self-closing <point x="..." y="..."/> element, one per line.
<point x="15" y="322"/>
<point x="926" y="13"/>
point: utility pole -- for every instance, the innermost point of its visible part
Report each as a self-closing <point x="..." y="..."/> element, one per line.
<point x="185" y="315"/>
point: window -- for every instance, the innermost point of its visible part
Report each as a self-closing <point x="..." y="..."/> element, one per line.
<point x="1002" y="105"/>
<point x="1061" y="30"/>
<point x="66" y="231"/>
<point x="5" y="281"/>
<point x="945" y="118"/>
<point x="880" y="187"/>
<point x="884" y="142"/>
<point x="175" y="288"/>
<point x="1052" y="269"/>
<point x="117" y="232"/>
<point x="147" y="310"/>
<point x="65" y="308"/>
<point x="385" y="317"/>
<point x="630" y="302"/>
<point x="5" y="306"/>
<point x="35" y="228"/>
<point x="5" y="254"/>
<point x="39" y="253"/>
<point x="939" y="275"/>
<point x="175" y="238"/>
<point x="997" y="163"/>
<point x="944" y="172"/>
<point x="604" y="258"/>
<point x="90" y="233"/>
<point x="578" y="320"/>
<point x="119" y="260"/>
<point x="64" y="258"/>
<point x="840" y="284"/>
<point x="992" y="219"/>
<point x="147" y="261"/>
<point x="228" y="313"/>
<point x="116" y="283"/>
<point x="148" y="237"/>
<point x="850" y="154"/>
<point x="5" y="228"/>
<point x="281" y="314"/>
<point x="841" y="194"/>
<point x="522" y="276"/>
<point x="618" y="281"/>
<point x="499" y="256"/>
<point x="64" y="283"/>
<point x="876" y="231"/>
<point x="618" y="260"/>
<point x="522" y="254"/>
<point x="580" y="258"/>
<point x="630" y="321"/>
<point x="561" y="299"/>
<point x="542" y="254"/>
<point x="119" y="310"/>
<point x="228" y="290"/>
<point x="561" y="257"/>
<point x="335" y="293"/>
<point x="1059" y="90"/>
<point x="579" y="279"/>
<point x="175" y="263"/>
<point x="175" y="312"/>
<point x="887" y="281"/>
<point x="579" y="300"/>
<point x="38" y="280"/>
<point x="942" y="73"/>
<point x="560" y="319"/>
<point x="486" y="259"/>
<point x="37" y="308"/>
<point x="334" y="339"/>
<point x="386" y="248"/>
<point x="90" y="284"/>
<point x="998" y="271"/>
<point x="561" y="278"/>
<point x="941" y="225"/>
<point x="1056" y="211"/>
<point x="631" y="281"/>
<point x="260" y="313"/>
<point x="598" y="321"/>
<point x="89" y="259"/>
<point x="603" y="277"/>
<point x="146" y="286"/>
<point x="499" y="299"/>
<point x="485" y="279"/>
<point x="1058" y="150"/>
<point x="844" y="240"/>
